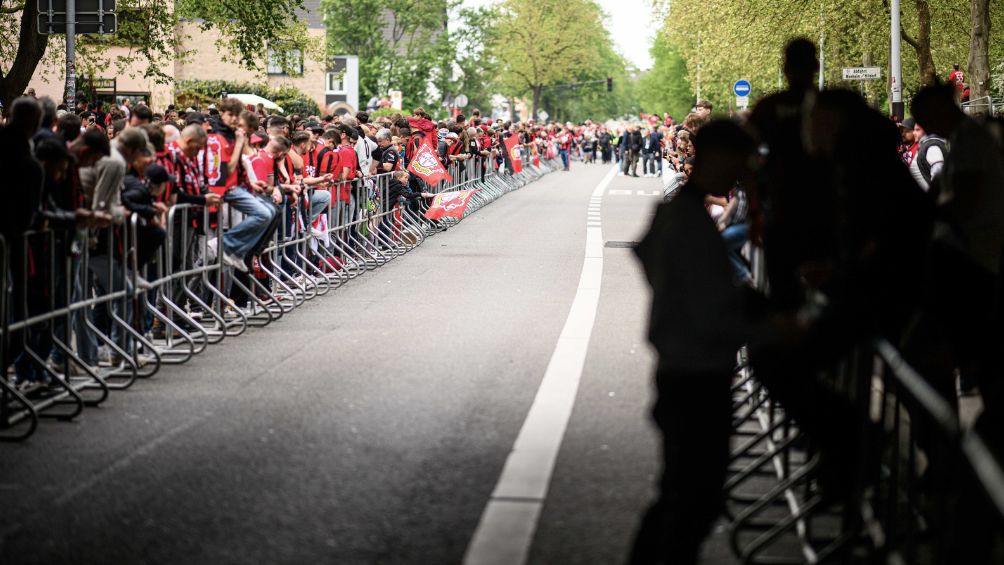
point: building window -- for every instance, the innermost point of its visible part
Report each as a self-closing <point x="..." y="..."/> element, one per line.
<point x="284" y="61"/>
<point x="335" y="82"/>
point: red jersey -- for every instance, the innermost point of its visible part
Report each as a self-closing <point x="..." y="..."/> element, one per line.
<point x="186" y="169"/>
<point x="165" y="159"/>
<point x="262" y="167"/>
<point x="347" y="159"/>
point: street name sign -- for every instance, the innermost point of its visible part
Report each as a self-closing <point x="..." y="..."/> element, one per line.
<point x="862" y="73"/>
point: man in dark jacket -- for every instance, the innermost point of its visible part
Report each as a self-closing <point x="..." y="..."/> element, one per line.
<point x="140" y="197"/>
<point x="634" y="147"/>
<point x="697" y="325"/>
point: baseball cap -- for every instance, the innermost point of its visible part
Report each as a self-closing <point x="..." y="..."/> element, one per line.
<point x="157" y="174"/>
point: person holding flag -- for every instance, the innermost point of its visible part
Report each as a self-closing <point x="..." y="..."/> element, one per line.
<point x="426" y="165"/>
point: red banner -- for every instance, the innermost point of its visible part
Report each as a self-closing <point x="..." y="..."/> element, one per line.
<point x="449" y="204"/>
<point x="426" y="164"/>
<point x="515" y="154"/>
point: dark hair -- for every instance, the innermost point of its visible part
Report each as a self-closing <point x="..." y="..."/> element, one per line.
<point x="283" y="141"/>
<point x="119" y="125"/>
<point x="95" y="140"/>
<point x="363" y="117"/>
<point x="277" y="121"/>
<point x="349" y="131"/>
<point x="299" y="137"/>
<point x="231" y="105"/>
<point x="143" y="112"/>
<point x="51" y="149"/>
<point x="800" y="54"/>
<point x="251" y="119"/>
<point x="155" y="133"/>
<point x="69" y="126"/>
<point x="333" y="134"/>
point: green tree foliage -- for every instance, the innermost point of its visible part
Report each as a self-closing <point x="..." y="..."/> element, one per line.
<point x="543" y="43"/>
<point x="591" y="100"/>
<point x="401" y="44"/>
<point x="150" y="27"/>
<point x="474" y="66"/>
<point x="725" y="40"/>
<point x="665" y="88"/>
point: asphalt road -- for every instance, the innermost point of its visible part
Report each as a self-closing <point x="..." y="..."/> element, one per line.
<point x="370" y="425"/>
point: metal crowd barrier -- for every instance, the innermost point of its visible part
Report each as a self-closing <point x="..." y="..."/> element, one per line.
<point x="93" y="292"/>
<point x="922" y="489"/>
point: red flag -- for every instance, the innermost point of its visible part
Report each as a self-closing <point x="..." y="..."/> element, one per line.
<point x="513" y="148"/>
<point x="426" y="164"/>
<point x="449" y="204"/>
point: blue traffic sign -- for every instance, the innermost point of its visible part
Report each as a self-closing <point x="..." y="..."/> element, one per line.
<point x="742" y="88"/>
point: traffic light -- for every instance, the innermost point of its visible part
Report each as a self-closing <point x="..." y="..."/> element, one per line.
<point x="610" y="84"/>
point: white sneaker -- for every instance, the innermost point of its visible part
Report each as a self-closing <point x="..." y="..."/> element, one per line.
<point x="210" y="251"/>
<point x="234" y="261"/>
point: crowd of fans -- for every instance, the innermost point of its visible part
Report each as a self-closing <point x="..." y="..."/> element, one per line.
<point x="81" y="175"/>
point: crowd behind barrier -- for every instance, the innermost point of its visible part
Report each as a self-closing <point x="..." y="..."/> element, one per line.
<point x="97" y="308"/>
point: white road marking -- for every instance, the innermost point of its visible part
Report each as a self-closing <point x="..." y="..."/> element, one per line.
<point x="507" y="525"/>
<point x="648" y="193"/>
<point x="619" y="192"/>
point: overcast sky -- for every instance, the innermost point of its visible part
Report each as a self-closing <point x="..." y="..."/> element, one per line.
<point x="630" y="24"/>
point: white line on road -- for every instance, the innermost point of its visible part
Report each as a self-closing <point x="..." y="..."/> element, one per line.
<point x="505" y="532"/>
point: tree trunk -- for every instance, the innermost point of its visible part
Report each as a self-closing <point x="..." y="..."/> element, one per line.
<point x="979" y="53"/>
<point x="928" y="74"/>
<point x="30" y="48"/>
<point x="536" y="101"/>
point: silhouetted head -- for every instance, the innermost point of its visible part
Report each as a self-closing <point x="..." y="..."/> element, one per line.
<point x="25" y="116"/>
<point x="800" y="63"/>
<point x="935" y="110"/>
<point x="723" y="156"/>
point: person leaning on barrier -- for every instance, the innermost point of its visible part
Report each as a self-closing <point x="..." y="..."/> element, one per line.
<point x="320" y="200"/>
<point x="697" y="324"/>
<point x="142" y="197"/>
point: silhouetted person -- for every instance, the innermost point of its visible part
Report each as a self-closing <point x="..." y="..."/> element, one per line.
<point x="962" y="325"/>
<point x="22" y="195"/>
<point x="865" y="282"/>
<point x="696" y="327"/>
<point x="798" y="216"/>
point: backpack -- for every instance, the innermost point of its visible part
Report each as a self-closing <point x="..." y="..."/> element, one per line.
<point x="925" y="144"/>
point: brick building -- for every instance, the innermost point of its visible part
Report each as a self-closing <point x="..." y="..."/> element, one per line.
<point x="332" y="84"/>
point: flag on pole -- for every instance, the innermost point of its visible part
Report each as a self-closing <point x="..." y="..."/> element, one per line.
<point x="449" y="204"/>
<point x="513" y="148"/>
<point x="426" y="165"/>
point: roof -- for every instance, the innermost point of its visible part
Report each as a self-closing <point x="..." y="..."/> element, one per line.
<point x="311" y="14"/>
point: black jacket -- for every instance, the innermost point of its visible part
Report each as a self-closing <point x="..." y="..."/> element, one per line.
<point x="635" y="141"/>
<point x="136" y="198"/>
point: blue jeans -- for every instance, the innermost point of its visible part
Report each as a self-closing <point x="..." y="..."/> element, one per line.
<point x="320" y="200"/>
<point x="87" y="344"/>
<point x="735" y="237"/>
<point x="564" y="157"/>
<point x="258" y="214"/>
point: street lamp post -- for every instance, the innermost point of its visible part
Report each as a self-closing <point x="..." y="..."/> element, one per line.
<point x="895" y="64"/>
